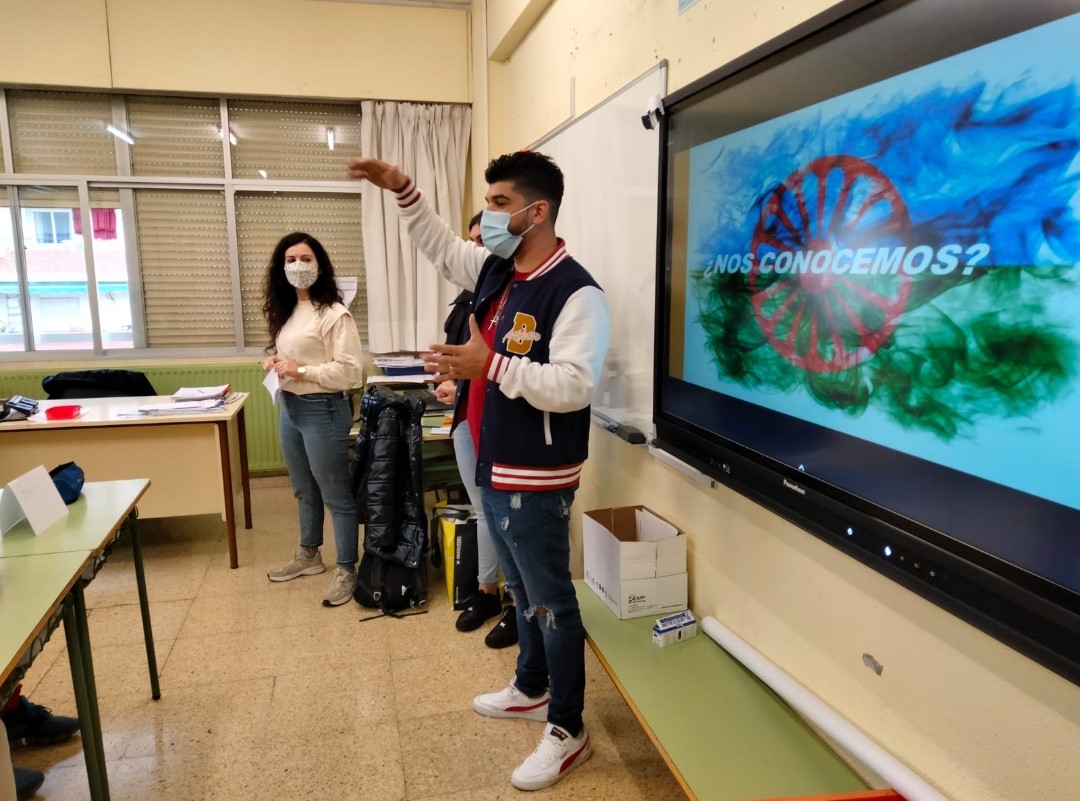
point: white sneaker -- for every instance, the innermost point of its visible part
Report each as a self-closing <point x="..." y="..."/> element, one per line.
<point x="299" y="565"/>
<point x="341" y="588"/>
<point x="512" y="703"/>
<point x="557" y="755"/>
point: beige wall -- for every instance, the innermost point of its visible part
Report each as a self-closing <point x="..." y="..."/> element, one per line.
<point x="972" y="716"/>
<point x="302" y="48"/>
<point x="975" y="718"/>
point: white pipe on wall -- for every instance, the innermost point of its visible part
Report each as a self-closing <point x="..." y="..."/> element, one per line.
<point x="899" y="777"/>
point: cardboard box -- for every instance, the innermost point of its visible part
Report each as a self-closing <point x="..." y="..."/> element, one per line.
<point x="635" y="561"/>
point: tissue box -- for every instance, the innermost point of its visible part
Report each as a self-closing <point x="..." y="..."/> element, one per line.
<point x="635" y="561"/>
<point x="674" y="628"/>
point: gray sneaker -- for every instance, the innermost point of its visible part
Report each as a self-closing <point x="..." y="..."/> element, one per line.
<point x="341" y="589"/>
<point x="299" y="566"/>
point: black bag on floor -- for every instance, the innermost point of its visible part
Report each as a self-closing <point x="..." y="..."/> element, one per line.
<point x="388" y="586"/>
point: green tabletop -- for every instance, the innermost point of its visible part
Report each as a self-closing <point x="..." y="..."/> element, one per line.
<point x="729" y="736"/>
<point x="90" y="524"/>
<point x="31" y="589"/>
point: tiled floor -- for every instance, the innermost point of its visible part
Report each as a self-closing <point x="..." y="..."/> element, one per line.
<point x="266" y="694"/>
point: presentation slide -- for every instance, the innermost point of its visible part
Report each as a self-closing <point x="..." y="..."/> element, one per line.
<point x="901" y="263"/>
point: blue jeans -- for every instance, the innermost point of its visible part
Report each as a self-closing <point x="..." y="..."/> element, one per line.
<point x="531" y="531"/>
<point x="314" y="432"/>
<point x="487" y="560"/>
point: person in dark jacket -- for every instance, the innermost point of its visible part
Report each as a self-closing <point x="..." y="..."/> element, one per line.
<point x="485" y="604"/>
<point x="538" y="338"/>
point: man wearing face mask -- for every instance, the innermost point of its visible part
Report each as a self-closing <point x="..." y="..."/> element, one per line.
<point x="537" y="343"/>
<point x="315" y="350"/>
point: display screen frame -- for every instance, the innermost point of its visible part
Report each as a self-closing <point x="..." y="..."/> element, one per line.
<point x="984" y="586"/>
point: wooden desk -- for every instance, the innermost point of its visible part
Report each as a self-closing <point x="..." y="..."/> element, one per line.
<point x="724" y="734"/>
<point x="196" y="462"/>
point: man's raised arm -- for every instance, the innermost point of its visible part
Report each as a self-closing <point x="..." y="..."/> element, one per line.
<point x="457" y="259"/>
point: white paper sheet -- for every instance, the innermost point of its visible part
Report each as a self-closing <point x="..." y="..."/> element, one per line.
<point x="33" y="496"/>
<point x="272" y="384"/>
<point x="347" y="285"/>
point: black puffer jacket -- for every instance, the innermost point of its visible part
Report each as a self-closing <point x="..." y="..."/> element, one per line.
<point x="388" y="478"/>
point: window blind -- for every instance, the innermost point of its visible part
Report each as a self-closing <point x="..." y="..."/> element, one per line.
<point x="262" y="218"/>
<point x="61" y="133"/>
<point x="288" y="141"/>
<point x="176" y="136"/>
<point x="184" y="253"/>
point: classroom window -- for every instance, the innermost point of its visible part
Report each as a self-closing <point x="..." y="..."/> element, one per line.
<point x="179" y="234"/>
<point x="292" y="141"/>
<point x="55" y="269"/>
<point x="177" y="136"/>
<point x="61" y="133"/>
<point x="184" y="250"/>
<point x="11" y="327"/>
<point x="262" y="218"/>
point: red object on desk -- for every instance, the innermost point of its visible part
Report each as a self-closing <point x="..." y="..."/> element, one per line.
<point x="66" y="412"/>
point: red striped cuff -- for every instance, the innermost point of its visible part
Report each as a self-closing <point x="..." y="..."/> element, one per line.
<point x="497" y="366"/>
<point x="534" y="479"/>
<point x="408" y="195"/>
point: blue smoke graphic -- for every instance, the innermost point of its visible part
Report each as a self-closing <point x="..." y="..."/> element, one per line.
<point x="972" y="166"/>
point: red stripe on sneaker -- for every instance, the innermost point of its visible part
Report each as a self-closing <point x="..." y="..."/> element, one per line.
<point x="569" y="761"/>
<point x="526" y="708"/>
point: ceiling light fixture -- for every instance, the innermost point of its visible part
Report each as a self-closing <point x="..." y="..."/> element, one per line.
<point x="119" y="134"/>
<point x="330" y="138"/>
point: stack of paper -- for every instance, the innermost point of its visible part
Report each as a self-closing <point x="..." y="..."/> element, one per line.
<point x="399" y="365"/>
<point x="182" y="407"/>
<point x="201" y="393"/>
<point x="417" y="378"/>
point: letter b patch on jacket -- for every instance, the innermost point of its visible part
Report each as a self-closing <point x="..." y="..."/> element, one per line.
<point x="520" y="338"/>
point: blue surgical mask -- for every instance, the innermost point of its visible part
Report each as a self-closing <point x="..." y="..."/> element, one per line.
<point x="495" y="231"/>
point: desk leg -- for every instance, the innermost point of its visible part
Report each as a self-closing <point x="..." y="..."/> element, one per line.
<point x="77" y="636"/>
<point x="245" y="477"/>
<point x="144" y="607"/>
<point x="226" y="479"/>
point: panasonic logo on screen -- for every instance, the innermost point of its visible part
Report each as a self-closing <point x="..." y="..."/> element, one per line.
<point x="795" y="487"/>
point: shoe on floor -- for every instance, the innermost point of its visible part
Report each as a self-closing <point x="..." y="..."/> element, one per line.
<point x="300" y="565"/>
<point x="341" y="588"/>
<point x="481" y="608"/>
<point x="557" y="755"/>
<point x="505" y="632"/>
<point x="33" y="724"/>
<point x="512" y="703"/>
<point x="27" y="782"/>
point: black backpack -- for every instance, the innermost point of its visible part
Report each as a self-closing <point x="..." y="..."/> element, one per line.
<point x="388" y="586"/>
<point x="104" y="383"/>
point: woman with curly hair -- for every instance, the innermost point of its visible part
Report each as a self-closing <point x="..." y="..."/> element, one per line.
<point x="315" y="350"/>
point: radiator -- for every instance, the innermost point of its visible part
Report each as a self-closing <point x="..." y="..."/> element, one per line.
<point x="264" y="453"/>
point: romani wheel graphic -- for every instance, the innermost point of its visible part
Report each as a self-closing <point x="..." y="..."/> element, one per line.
<point x="828" y="320"/>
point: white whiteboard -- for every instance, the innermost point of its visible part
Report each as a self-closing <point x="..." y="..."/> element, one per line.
<point x="608" y="218"/>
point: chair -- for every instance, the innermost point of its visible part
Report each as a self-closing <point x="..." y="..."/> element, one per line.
<point x="97" y="384"/>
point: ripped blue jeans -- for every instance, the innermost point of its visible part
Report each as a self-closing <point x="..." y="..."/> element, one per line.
<point x="531" y="532"/>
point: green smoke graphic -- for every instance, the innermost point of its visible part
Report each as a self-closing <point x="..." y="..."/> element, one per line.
<point x="965" y="347"/>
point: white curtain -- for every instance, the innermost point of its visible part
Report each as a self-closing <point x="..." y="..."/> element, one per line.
<point x="407" y="299"/>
